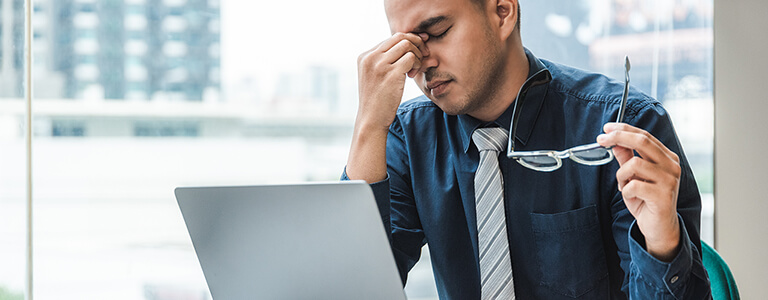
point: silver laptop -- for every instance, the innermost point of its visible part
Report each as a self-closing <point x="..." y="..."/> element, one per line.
<point x="305" y="241"/>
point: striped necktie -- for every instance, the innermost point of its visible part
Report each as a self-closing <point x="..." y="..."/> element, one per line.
<point x="495" y="263"/>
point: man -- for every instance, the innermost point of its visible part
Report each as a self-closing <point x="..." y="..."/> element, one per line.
<point x="619" y="230"/>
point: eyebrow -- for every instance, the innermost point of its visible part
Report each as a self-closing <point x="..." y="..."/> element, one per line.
<point x="426" y="24"/>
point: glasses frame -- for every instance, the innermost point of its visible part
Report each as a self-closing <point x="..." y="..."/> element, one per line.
<point x="571" y="153"/>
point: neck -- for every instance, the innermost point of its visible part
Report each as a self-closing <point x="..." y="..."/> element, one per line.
<point x="513" y="75"/>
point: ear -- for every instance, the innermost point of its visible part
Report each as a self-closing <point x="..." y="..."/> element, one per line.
<point x="507" y="13"/>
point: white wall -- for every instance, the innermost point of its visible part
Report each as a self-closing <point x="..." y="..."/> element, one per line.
<point x="741" y="141"/>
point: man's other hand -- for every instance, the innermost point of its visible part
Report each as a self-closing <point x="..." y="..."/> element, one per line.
<point x="649" y="184"/>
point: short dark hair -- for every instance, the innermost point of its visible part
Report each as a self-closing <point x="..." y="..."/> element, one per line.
<point x="480" y="4"/>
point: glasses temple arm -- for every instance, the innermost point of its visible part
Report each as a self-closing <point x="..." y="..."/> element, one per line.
<point x="532" y="81"/>
<point x="623" y="106"/>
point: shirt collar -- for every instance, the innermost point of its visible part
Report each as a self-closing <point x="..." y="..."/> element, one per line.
<point x="534" y="91"/>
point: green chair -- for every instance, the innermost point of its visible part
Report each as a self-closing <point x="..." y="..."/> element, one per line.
<point x="720" y="277"/>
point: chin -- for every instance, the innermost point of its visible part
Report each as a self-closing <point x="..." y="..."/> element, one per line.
<point x="452" y="109"/>
<point x="449" y="103"/>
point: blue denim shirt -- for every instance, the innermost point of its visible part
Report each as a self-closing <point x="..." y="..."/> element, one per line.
<point x="570" y="234"/>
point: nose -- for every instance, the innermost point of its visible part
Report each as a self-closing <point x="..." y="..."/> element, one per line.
<point x="429" y="61"/>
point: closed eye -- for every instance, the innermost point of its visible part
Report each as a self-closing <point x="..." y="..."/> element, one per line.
<point x="439" y="36"/>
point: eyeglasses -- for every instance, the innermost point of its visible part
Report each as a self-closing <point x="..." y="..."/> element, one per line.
<point x="550" y="160"/>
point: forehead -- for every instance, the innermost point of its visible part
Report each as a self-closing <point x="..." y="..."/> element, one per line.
<point x="405" y="15"/>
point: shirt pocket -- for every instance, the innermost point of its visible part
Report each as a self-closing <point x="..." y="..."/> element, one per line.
<point x="570" y="251"/>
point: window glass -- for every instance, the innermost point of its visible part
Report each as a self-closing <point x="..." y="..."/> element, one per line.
<point x="126" y="110"/>
<point x="13" y="170"/>
<point x="135" y="98"/>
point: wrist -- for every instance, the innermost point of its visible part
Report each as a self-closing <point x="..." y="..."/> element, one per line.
<point x="367" y="155"/>
<point x="366" y="127"/>
<point x="665" y="247"/>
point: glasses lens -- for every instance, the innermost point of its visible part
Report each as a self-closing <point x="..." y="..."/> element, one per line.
<point x="540" y="162"/>
<point x="592" y="156"/>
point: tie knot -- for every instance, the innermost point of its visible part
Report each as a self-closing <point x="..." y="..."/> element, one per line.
<point x="492" y="139"/>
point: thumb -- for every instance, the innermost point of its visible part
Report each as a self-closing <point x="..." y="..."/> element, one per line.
<point x="622" y="154"/>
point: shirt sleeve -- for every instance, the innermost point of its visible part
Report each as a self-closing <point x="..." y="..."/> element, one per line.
<point x="645" y="276"/>
<point x="682" y="278"/>
<point x="394" y="198"/>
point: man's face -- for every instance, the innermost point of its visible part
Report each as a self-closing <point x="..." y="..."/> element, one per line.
<point x="465" y="61"/>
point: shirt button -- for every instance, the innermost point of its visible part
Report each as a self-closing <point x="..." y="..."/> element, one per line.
<point x="673" y="279"/>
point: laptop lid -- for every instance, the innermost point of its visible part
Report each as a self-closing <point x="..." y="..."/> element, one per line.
<point x="303" y="241"/>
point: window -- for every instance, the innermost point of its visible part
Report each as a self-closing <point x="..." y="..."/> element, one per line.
<point x="12" y="151"/>
<point x="165" y="129"/>
<point x="67" y="128"/>
<point x="135" y="22"/>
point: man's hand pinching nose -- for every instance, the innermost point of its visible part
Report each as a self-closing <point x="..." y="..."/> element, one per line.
<point x="425" y="52"/>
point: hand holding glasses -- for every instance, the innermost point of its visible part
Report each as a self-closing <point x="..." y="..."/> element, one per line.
<point x="550" y="160"/>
